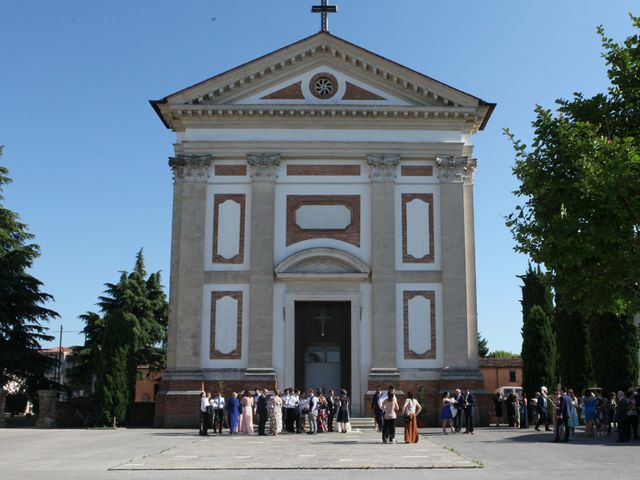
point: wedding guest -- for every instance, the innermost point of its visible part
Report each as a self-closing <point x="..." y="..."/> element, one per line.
<point x="343" y="412"/>
<point x="217" y="404"/>
<point x="469" y="403"/>
<point x="410" y="410"/>
<point x="204" y="419"/>
<point x="261" y="410"/>
<point x="389" y="409"/>
<point x="233" y="412"/>
<point x="589" y="411"/>
<point x="331" y="409"/>
<point x="274" y="408"/>
<point x="246" y="424"/>
<point x="446" y="414"/>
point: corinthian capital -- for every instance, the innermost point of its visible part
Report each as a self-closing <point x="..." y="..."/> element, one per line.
<point x="456" y="169"/>
<point x="382" y="167"/>
<point x="263" y="166"/>
<point x="190" y="168"/>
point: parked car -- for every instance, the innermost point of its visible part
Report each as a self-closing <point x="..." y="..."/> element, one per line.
<point x="506" y="391"/>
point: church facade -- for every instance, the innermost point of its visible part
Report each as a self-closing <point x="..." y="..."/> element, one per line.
<point x="322" y="229"/>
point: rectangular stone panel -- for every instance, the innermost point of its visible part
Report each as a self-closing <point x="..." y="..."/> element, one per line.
<point x="226" y="325"/>
<point x="323" y="170"/>
<point x="313" y="228"/>
<point x="228" y="228"/>
<point x="230" y="170"/>
<point x="417" y="228"/>
<point x="416" y="170"/>
<point x="419" y="324"/>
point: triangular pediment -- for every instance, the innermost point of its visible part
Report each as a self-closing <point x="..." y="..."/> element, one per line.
<point x="327" y="71"/>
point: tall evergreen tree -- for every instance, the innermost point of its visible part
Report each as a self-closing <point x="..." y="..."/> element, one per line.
<point x="614" y="346"/>
<point x="22" y="313"/>
<point x="87" y="357"/>
<point x="483" y="346"/>
<point x="575" y="369"/>
<point x="137" y="306"/>
<point x="538" y="352"/>
<point x="536" y="290"/>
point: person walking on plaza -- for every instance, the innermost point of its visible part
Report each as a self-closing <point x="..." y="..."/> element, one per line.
<point x="312" y="416"/>
<point x="542" y="409"/>
<point x="204" y="417"/>
<point x="261" y="411"/>
<point x="410" y="410"/>
<point x="217" y="405"/>
<point x="563" y="415"/>
<point x="246" y="425"/>
<point x="468" y="402"/>
<point x="446" y="412"/>
<point x="377" y="411"/>
<point x="274" y="410"/>
<point x="233" y="412"/>
<point x="389" y="409"/>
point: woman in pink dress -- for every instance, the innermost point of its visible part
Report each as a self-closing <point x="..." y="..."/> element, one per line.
<point x="246" y="423"/>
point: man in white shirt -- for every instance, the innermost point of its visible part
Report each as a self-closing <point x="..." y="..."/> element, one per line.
<point x="312" y="416"/>
<point x="217" y="405"/>
<point x="204" y="418"/>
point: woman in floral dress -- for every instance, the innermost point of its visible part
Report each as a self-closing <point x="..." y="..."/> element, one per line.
<point x="274" y="409"/>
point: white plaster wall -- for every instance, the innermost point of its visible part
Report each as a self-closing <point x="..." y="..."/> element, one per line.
<point x="256" y="99"/>
<point x="212" y="190"/>
<point x="438" y="362"/>
<point x="327" y="188"/>
<point x="435" y="190"/>
<point x="205" y="361"/>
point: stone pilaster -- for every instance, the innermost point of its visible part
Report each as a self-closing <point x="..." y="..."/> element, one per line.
<point x="47" y="408"/>
<point x="382" y="173"/>
<point x="190" y="174"/>
<point x="458" y="265"/>
<point x="263" y="187"/>
<point x="3" y="404"/>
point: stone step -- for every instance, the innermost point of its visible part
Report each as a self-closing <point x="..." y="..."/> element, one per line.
<point x="362" y="423"/>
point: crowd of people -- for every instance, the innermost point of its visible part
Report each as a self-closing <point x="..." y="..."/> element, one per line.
<point x="293" y="411"/>
<point x="562" y="412"/>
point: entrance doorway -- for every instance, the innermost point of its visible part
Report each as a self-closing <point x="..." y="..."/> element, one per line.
<point x="323" y="345"/>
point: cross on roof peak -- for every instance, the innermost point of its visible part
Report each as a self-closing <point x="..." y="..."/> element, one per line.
<point x="323" y="10"/>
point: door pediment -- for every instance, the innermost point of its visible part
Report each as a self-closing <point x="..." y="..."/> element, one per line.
<point x="322" y="264"/>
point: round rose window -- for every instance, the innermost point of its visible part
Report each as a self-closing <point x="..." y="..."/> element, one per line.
<point x="323" y="85"/>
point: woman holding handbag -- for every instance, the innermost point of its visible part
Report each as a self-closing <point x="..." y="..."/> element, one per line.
<point x="411" y="409"/>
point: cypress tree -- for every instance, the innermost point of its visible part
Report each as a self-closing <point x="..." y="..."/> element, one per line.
<point x="575" y="368"/>
<point x="614" y="347"/>
<point x="538" y="351"/>
<point x="22" y="314"/>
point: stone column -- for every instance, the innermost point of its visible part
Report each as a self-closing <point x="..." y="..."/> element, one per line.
<point x="190" y="173"/>
<point x="47" y="408"/>
<point x="383" y="269"/>
<point x="3" y="404"/>
<point x="458" y="265"/>
<point x="263" y="190"/>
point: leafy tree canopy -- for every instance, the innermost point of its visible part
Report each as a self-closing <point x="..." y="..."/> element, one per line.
<point x="502" y="354"/>
<point x="580" y="210"/>
<point x="22" y="314"/>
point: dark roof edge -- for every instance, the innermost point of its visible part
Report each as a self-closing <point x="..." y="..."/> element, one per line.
<point x="485" y="120"/>
<point x="156" y="108"/>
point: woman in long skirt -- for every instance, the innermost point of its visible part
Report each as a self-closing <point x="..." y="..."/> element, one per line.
<point x="411" y="409"/>
<point x="343" y="413"/>
<point x="233" y="411"/>
<point x="274" y="409"/>
<point x="246" y="424"/>
<point x="524" y="412"/>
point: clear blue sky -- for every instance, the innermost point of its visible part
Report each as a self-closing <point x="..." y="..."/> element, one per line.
<point x="88" y="155"/>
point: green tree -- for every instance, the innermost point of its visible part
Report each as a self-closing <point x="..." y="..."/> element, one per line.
<point x="22" y="313"/>
<point x="575" y="368"/>
<point x="614" y="346"/>
<point x="580" y="210"/>
<point x="538" y="352"/>
<point x="87" y="356"/>
<point x="536" y="290"/>
<point x="483" y="346"/>
<point x="502" y="354"/>
<point x="137" y="306"/>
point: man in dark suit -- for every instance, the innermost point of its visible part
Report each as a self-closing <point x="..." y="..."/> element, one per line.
<point x="377" y="411"/>
<point x="542" y="410"/>
<point x="459" y="405"/>
<point x="330" y="406"/>
<point x="261" y="410"/>
<point x="563" y="415"/>
<point x="468" y="402"/>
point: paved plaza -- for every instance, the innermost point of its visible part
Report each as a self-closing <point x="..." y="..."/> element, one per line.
<point x="181" y="454"/>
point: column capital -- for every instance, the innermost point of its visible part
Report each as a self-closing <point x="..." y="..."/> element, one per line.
<point x="382" y="167"/>
<point x="263" y="166"/>
<point x="456" y="169"/>
<point x="190" y="168"/>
